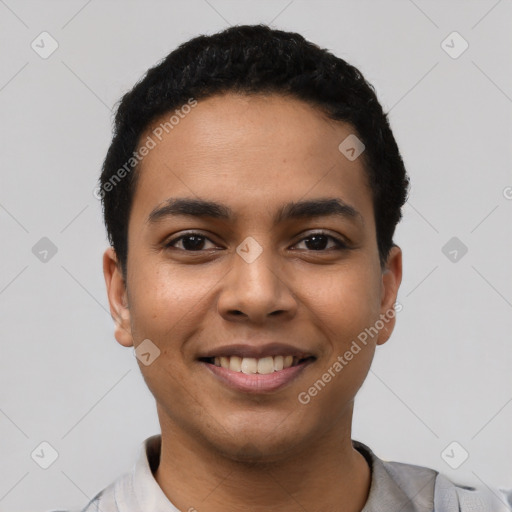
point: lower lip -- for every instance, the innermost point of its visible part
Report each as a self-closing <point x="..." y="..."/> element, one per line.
<point x="255" y="382"/>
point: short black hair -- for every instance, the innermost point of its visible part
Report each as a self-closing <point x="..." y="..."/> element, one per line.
<point x="252" y="59"/>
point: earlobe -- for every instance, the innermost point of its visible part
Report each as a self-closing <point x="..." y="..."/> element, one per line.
<point x="391" y="280"/>
<point x="117" y="297"/>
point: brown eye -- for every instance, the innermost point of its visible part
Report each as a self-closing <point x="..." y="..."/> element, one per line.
<point x="191" y="242"/>
<point x="318" y="242"/>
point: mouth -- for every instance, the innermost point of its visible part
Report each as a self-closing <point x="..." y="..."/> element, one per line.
<point x="256" y="366"/>
<point x="256" y="375"/>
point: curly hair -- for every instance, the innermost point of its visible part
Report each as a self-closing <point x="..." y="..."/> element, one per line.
<point x="254" y="59"/>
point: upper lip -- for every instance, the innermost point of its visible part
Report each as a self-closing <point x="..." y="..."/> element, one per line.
<point x="256" y="351"/>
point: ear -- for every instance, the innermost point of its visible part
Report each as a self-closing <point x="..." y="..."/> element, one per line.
<point x="117" y="298"/>
<point x="391" y="279"/>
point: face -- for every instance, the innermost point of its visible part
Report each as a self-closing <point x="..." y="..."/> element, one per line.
<point x="282" y="270"/>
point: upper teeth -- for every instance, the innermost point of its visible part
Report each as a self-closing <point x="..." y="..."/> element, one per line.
<point x="252" y="365"/>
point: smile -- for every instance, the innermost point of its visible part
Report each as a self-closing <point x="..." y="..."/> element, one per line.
<point x="254" y="375"/>
<point x="252" y="365"/>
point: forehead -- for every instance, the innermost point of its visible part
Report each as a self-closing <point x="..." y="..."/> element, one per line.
<point x="251" y="152"/>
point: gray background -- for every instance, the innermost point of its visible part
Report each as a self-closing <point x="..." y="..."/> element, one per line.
<point x="444" y="376"/>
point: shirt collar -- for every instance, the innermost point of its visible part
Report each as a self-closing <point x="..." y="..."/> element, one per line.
<point x="148" y="493"/>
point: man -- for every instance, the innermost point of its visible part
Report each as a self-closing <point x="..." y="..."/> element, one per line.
<point x="251" y="194"/>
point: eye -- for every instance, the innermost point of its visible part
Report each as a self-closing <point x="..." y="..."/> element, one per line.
<point x="317" y="242"/>
<point x="194" y="242"/>
<point x="190" y="242"/>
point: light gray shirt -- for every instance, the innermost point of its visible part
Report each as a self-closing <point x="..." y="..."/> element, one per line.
<point x="395" y="487"/>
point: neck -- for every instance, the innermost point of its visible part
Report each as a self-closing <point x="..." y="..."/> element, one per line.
<point x="327" y="474"/>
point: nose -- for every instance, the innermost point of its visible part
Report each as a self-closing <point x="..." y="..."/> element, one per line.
<point x="254" y="290"/>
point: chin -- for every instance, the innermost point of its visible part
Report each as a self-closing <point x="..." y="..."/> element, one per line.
<point x="259" y="445"/>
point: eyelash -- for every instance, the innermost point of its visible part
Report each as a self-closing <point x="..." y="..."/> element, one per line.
<point x="340" y="244"/>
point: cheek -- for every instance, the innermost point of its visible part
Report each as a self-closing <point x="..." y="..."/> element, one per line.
<point x="164" y="310"/>
<point x="168" y="307"/>
<point x="346" y="301"/>
<point x="165" y="301"/>
<point x="343" y="308"/>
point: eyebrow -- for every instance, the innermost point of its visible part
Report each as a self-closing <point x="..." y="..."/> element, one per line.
<point x="201" y="208"/>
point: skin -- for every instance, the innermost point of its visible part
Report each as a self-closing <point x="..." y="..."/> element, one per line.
<point x="225" y="450"/>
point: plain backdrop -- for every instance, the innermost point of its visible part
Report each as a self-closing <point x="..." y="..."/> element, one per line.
<point x="445" y="375"/>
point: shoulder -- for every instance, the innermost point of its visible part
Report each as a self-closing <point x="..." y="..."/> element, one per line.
<point x="116" y="497"/>
<point x="136" y="489"/>
<point x="104" y="501"/>
<point x="414" y="488"/>
<point x="450" y="496"/>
